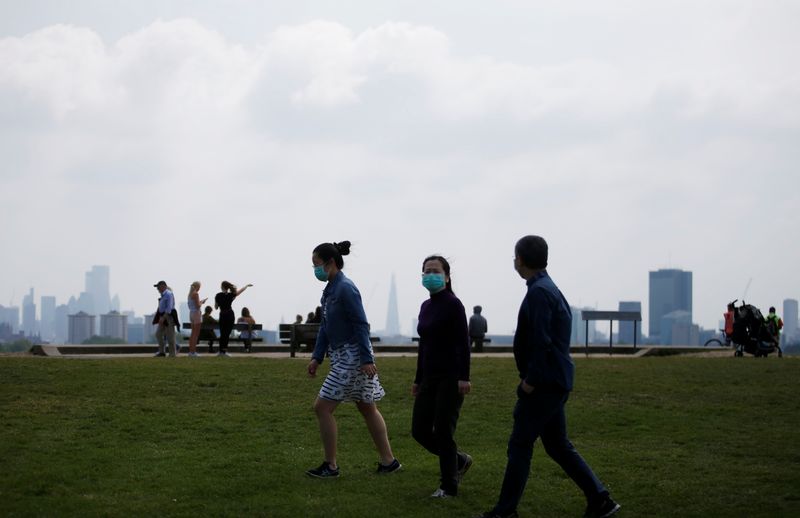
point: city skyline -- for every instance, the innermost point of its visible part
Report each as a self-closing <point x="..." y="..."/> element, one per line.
<point x="672" y="287"/>
<point x="206" y="141"/>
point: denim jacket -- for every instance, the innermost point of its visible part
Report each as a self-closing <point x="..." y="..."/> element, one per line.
<point x="343" y="320"/>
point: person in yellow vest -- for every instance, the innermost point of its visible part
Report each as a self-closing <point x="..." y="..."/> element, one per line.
<point x="774" y="325"/>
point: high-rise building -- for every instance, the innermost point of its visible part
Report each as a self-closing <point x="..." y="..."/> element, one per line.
<point x="789" y="318"/>
<point x="392" y="314"/>
<point x="81" y="327"/>
<point x="97" y="286"/>
<point x="10" y="316"/>
<point x="674" y="328"/>
<point x="578" y="335"/>
<point x="47" y="325"/>
<point x="625" y="333"/>
<point x="62" y="323"/>
<point x="670" y="290"/>
<point x="29" y="315"/>
<point x="114" y="325"/>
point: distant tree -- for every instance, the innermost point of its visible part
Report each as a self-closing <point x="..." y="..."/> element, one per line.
<point x="103" y="340"/>
<point x="16" y="346"/>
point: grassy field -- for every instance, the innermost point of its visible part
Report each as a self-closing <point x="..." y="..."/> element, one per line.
<point x="232" y="437"/>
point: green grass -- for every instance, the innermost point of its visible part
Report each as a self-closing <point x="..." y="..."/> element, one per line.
<point x="232" y="437"/>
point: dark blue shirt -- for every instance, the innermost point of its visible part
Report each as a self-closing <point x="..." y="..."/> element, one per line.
<point x="343" y="320"/>
<point x="541" y="342"/>
<point x="443" y="341"/>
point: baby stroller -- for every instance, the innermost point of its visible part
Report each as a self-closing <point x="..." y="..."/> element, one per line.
<point x="751" y="334"/>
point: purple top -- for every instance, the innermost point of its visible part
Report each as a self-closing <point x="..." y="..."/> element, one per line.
<point x="443" y="339"/>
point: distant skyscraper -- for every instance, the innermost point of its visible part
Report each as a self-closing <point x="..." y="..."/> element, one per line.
<point x="81" y="327"/>
<point x="578" y="336"/>
<point x="10" y="316"/>
<point x="115" y="303"/>
<point x="47" y="324"/>
<point x="670" y="290"/>
<point x="97" y="286"/>
<point x="62" y="324"/>
<point x="626" y="328"/>
<point x="29" y="314"/>
<point x="114" y="325"/>
<point x="789" y="318"/>
<point x="392" y="314"/>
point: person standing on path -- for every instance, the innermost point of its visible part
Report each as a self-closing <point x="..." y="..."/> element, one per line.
<point x="195" y="317"/>
<point x="546" y="373"/>
<point x="353" y="375"/>
<point x="477" y="328"/>
<point x="224" y="302"/>
<point x="442" y="376"/>
<point x="165" y="319"/>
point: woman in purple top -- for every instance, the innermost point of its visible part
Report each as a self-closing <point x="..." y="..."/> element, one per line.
<point x="442" y="377"/>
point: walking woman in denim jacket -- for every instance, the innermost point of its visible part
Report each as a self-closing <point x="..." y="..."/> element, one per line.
<point x="353" y="376"/>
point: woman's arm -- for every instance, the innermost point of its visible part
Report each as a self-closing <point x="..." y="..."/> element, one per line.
<point x="241" y="290"/>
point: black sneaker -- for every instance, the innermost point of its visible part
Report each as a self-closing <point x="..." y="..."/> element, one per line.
<point x="159" y="355"/>
<point x="391" y="468"/>
<point x="493" y="514"/>
<point x="323" y="471"/>
<point x="602" y="508"/>
<point x="463" y="468"/>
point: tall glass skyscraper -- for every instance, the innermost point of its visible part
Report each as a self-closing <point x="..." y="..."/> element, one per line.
<point x="670" y="290"/>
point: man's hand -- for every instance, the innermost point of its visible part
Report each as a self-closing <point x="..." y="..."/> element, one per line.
<point x="464" y="387"/>
<point x="415" y="389"/>
<point x="525" y="387"/>
<point x="312" y="368"/>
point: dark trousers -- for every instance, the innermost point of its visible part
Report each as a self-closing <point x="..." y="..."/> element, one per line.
<point x="226" y="320"/>
<point x="541" y="414"/>
<point x="434" y="424"/>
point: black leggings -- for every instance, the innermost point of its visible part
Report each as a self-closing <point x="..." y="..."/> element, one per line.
<point x="226" y="320"/>
<point x="433" y="425"/>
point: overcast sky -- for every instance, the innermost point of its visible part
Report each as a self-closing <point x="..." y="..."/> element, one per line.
<point x="190" y="140"/>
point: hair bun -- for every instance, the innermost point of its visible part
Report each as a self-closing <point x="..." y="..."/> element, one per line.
<point x="343" y="247"/>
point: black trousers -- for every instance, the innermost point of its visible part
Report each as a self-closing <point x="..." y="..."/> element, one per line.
<point x="226" y="321"/>
<point x="433" y="426"/>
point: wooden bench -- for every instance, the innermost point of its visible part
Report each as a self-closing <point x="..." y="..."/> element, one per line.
<point x="298" y="334"/>
<point x="237" y="327"/>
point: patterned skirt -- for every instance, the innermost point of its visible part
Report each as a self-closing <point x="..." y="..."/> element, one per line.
<point x="345" y="381"/>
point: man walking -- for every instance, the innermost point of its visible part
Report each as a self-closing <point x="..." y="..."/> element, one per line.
<point x="546" y="371"/>
<point x="477" y="329"/>
<point x="165" y="319"/>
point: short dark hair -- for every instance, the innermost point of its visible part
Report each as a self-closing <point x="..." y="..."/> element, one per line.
<point x="335" y="251"/>
<point x="532" y="251"/>
<point x="772" y="309"/>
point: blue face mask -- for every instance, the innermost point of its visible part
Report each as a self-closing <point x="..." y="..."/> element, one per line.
<point x="320" y="273"/>
<point x="433" y="282"/>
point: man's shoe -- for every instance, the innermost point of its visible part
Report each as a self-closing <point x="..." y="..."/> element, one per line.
<point x="391" y="468"/>
<point x="462" y="470"/>
<point x="193" y="355"/>
<point x="492" y="514"/>
<point x="440" y="493"/>
<point x="602" y="509"/>
<point x="224" y="353"/>
<point x="323" y="471"/>
<point x="159" y="354"/>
